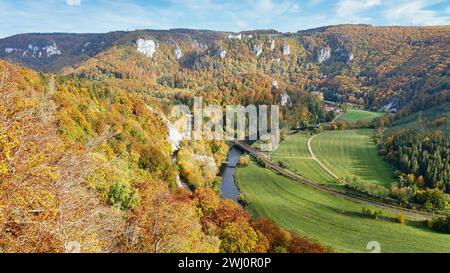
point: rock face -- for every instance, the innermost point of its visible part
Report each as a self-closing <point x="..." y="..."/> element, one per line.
<point x="323" y="55"/>
<point x="146" y="47"/>
<point x="51" y="50"/>
<point x="286" y="50"/>
<point x="199" y="46"/>
<point x="272" y="45"/>
<point x="236" y="37"/>
<point x="178" y="53"/>
<point x="174" y="137"/>
<point x="258" y="50"/>
<point x="285" y="100"/>
<point x="36" y="51"/>
<point x="350" y="57"/>
<point x="222" y="53"/>
<point x="392" y="106"/>
<point x="274" y="84"/>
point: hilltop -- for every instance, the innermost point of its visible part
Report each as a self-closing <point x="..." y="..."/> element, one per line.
<point x="379" y="68"/>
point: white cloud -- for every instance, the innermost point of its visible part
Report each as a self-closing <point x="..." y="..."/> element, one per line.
<point x="73" y="2"/>
<point x="354" y="7"/>
<point x="415" y="12"/>
<point x="230" y="15"/>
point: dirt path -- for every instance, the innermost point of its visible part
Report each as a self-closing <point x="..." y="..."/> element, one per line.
<point x="313" y="156"/>
<point x="338" y="116"/>
<point x="324" y="188"/>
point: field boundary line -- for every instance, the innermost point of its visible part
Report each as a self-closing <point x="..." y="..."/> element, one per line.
<point x="313" y="156"/>
<point x="338" y="116"/>
<point x="292" y="157"/>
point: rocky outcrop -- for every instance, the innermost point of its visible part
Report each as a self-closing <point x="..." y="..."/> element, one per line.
<point x="258" y="50"/>
<point x="36" y="51"/>
<point x="174" y="137"/>
<point x="222" y="53"/>
<point x="146" y="47"/>
<point x="351" y="57"/>
<point x="272" y="45"/>
<point x="286" y="50"/>
<point x="323" y="55"/>
<point x="178" y="53"/>
<point x="274" y="84"/>
<point x="392" y="106"/>
<point x="285" y="100"/>
<point x="9" y="50"/>
<point x="235" y="37"/>
<point x="51" y="50"/>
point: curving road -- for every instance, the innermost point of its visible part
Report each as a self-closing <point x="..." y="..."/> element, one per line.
<point x="313" y="156"/>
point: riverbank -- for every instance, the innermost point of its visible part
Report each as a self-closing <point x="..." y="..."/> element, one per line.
<point x="229" y="189"/>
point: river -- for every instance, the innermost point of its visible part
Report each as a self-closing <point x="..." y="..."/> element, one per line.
<point x="229" y="189"/>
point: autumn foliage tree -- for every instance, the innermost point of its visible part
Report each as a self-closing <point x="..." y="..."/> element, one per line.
<point x="239" y="233"/>
<point x="44" y="204"/>
<point x="166" y="222"/>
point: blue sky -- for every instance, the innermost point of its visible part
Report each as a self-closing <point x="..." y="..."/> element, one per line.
<point x="230" y="15"/>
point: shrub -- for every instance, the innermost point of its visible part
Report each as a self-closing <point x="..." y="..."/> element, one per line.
<point x="440" y="224"/>
<point x="244" y="161"/>
<point x="401" y="218"/>
<point x="122" y="196"/>
<point x="402" y="194"/>
<point x="241" y="199"/>
<point x="433" y="200"/>
<point x="372" y="214"/>
<point x="354" y="182"/>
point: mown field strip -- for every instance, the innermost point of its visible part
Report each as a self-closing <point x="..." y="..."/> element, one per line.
<point x="330" y="219"/>
<point x="293" y="153"/>
<point x="352" y="153"/>
<point x="313" y="156"/>
<point x="353" y="115"/>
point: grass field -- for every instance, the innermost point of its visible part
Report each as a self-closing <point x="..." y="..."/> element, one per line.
<point x="293" y="146"/>
<point x="293" y="153"/>
<point x="359" y="115"/>
<point x="345" y="153"/>
<point x="331" y="220"/>
<point x="352" y="153"/>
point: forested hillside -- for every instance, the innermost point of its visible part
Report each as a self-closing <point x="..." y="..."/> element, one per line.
<point x="375" y="67"/>
<point x="89" y="167"/>
<point x="419" y="146"/>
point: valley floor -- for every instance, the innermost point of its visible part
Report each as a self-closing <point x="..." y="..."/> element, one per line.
<point x="352" y="153"/>
<point x="352" y="115"/>
<point x="330" y="155"/>
<point x="333" y="221"/>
